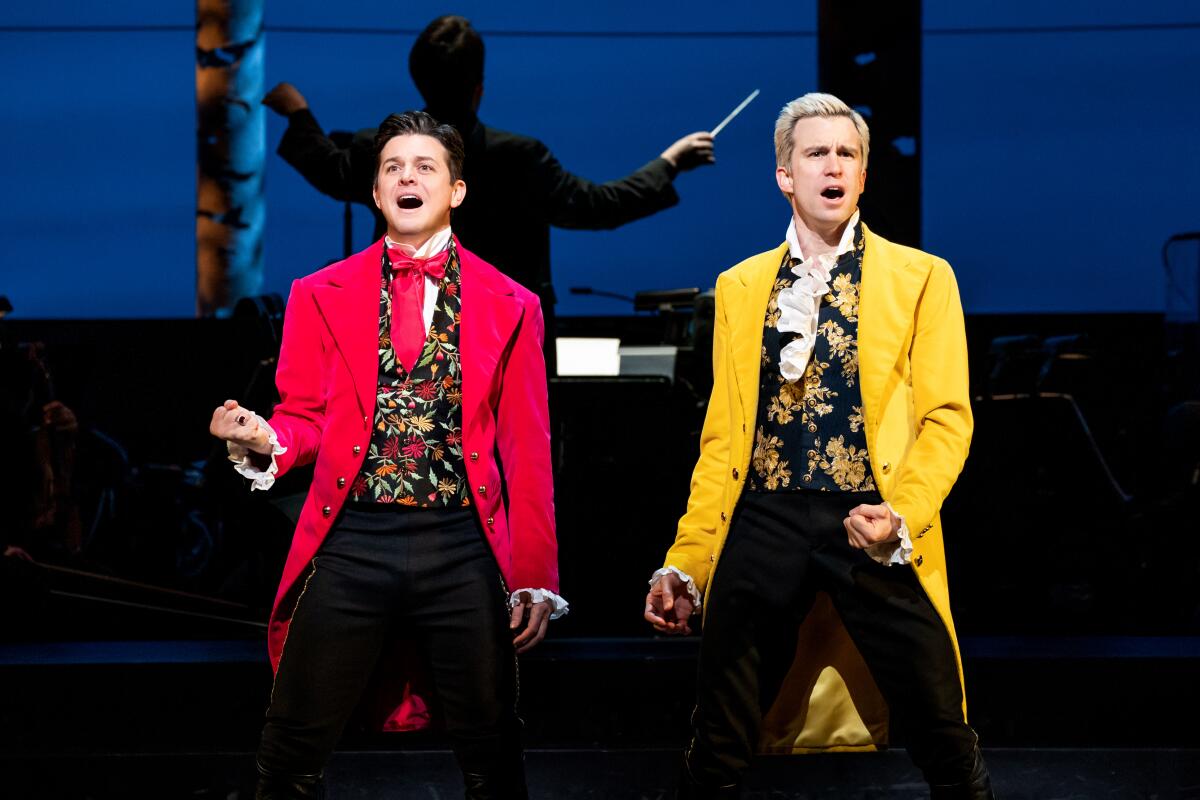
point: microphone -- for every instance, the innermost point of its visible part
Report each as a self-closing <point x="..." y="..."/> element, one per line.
<point x="588" y="290"/>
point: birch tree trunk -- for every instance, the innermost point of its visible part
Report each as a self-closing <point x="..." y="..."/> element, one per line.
<point x="231" y="153"/>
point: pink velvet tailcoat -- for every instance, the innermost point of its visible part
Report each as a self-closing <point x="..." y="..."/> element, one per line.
<point x="327" y="377"/>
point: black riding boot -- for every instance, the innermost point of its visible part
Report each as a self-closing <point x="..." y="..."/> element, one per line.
<point x="688" y="788"/>
<point x="273" y="786"/>
<point x="977" y="787"/>
<point x="500" y="776"/>
<point x="500" y="785"/>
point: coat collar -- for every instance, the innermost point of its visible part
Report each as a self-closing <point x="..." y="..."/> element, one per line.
<point x="891" y="288"/>
<point x="755" y="278"/>
<point x="347" y="294"/>
<point x="490" y="314"/>
<point x="889" y="293"/>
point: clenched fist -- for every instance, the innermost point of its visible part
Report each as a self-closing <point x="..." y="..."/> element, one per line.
<point x="232" y="423"/>
<point x="669" y="606"/>
<point x="284" y="99"/>
<point x="867" y="526"/>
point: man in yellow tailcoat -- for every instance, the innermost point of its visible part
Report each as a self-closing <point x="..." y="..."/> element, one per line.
<point x="839" y="420"/>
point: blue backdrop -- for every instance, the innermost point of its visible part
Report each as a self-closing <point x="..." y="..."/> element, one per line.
<point x="1059" y="140"/>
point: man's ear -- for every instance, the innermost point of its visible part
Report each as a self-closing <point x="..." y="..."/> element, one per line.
<point x="784" y="179"/>
<point x="458" y="193"/>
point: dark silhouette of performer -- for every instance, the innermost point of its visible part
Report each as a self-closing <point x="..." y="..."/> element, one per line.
<point x="38" y="438"/>
<point x="518" y="188"/>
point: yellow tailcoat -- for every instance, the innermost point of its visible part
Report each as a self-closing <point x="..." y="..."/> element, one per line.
<point x="913" y="374"/>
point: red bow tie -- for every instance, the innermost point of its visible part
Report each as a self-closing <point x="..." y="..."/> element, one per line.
<point x="408" y="301"/>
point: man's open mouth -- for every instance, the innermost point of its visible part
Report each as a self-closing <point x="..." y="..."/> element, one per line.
<point x="410" y="201"/>
<point x="833" y="193"/>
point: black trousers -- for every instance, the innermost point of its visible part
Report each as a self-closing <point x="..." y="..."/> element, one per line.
<point x="783" y="548"/>
<point x="429" y="576"/>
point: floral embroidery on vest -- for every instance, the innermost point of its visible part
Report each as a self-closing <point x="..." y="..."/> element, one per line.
<point x="415" y="457"/>
<point x="815" y="423"/>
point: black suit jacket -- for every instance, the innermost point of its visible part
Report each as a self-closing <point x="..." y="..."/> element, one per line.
<point x="516" y="190"/>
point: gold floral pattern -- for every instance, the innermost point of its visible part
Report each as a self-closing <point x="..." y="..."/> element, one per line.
<point x="786" y="403"/>
<point x="818" y="420"/>
<point x="847" y="466"/>
<point x="773" y="311"/>
<point x="843" y="347"/>
<point x="845" y="297"/>
<point x="817" y="396"/>
<point x="767" y="463"/>
<point x="856" y="420"/>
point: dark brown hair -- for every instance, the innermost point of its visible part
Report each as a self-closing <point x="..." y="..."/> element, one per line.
<point x="446" y="63"/>
<point x="412" y="123"/>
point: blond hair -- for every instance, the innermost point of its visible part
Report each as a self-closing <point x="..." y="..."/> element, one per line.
<point x="814" y="104"/>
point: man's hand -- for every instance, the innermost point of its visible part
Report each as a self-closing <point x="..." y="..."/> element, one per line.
<point x="12" y="551"/>
<point x="59" y="418"/>
<point x="232" y="423"/>
<point x="534" y="617"/>
<point x="870" y="525"/>
<point x="693" y="150"/>
<point x="669" y="606"/>
<point x="285" y="99"/>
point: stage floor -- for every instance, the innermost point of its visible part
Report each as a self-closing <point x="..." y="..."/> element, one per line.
<point x="1018" y="774"/>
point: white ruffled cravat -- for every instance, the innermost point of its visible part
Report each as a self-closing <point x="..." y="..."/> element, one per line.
<point x="800" y="303"/>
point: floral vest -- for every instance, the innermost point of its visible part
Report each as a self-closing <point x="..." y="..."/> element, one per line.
<point x="810" y="434"/>
<point x="415" y="457"/>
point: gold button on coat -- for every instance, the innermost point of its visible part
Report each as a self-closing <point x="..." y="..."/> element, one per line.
<point x="483" y="490"/>
<point x="920" y="560"/>
<point x="885" y="466"/>
<point x="357" y="449"/>
<point x="735" y="473"/>
<point x="474" y="456"/>
<point x="326" y="511"/>
<point x="491" y="522"/>
<point x="341" y="482"/>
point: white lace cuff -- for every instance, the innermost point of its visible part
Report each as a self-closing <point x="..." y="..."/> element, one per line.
<point x="693" y="592"/>
<point x="892" y="553"/>
<point x="240" y="456"/>
<point x="558" y="604"/>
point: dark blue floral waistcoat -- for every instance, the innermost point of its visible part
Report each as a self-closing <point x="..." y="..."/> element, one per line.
<point x="810" y="434"/>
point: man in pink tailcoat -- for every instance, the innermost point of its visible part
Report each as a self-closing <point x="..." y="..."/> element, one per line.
<point x="425" y="553"/>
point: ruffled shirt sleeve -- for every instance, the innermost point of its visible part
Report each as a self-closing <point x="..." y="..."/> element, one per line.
<point x="894" y="553"/>
<point x="243" y="463"/>
<point x="692" y="591"/>
<point x="558" y="604"/>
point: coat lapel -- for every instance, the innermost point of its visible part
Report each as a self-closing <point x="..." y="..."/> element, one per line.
<point x="490" y="314"/>
<point x="349" y="302"/>
<point x="889" y="295"/>
<point x="747" y="313"/>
